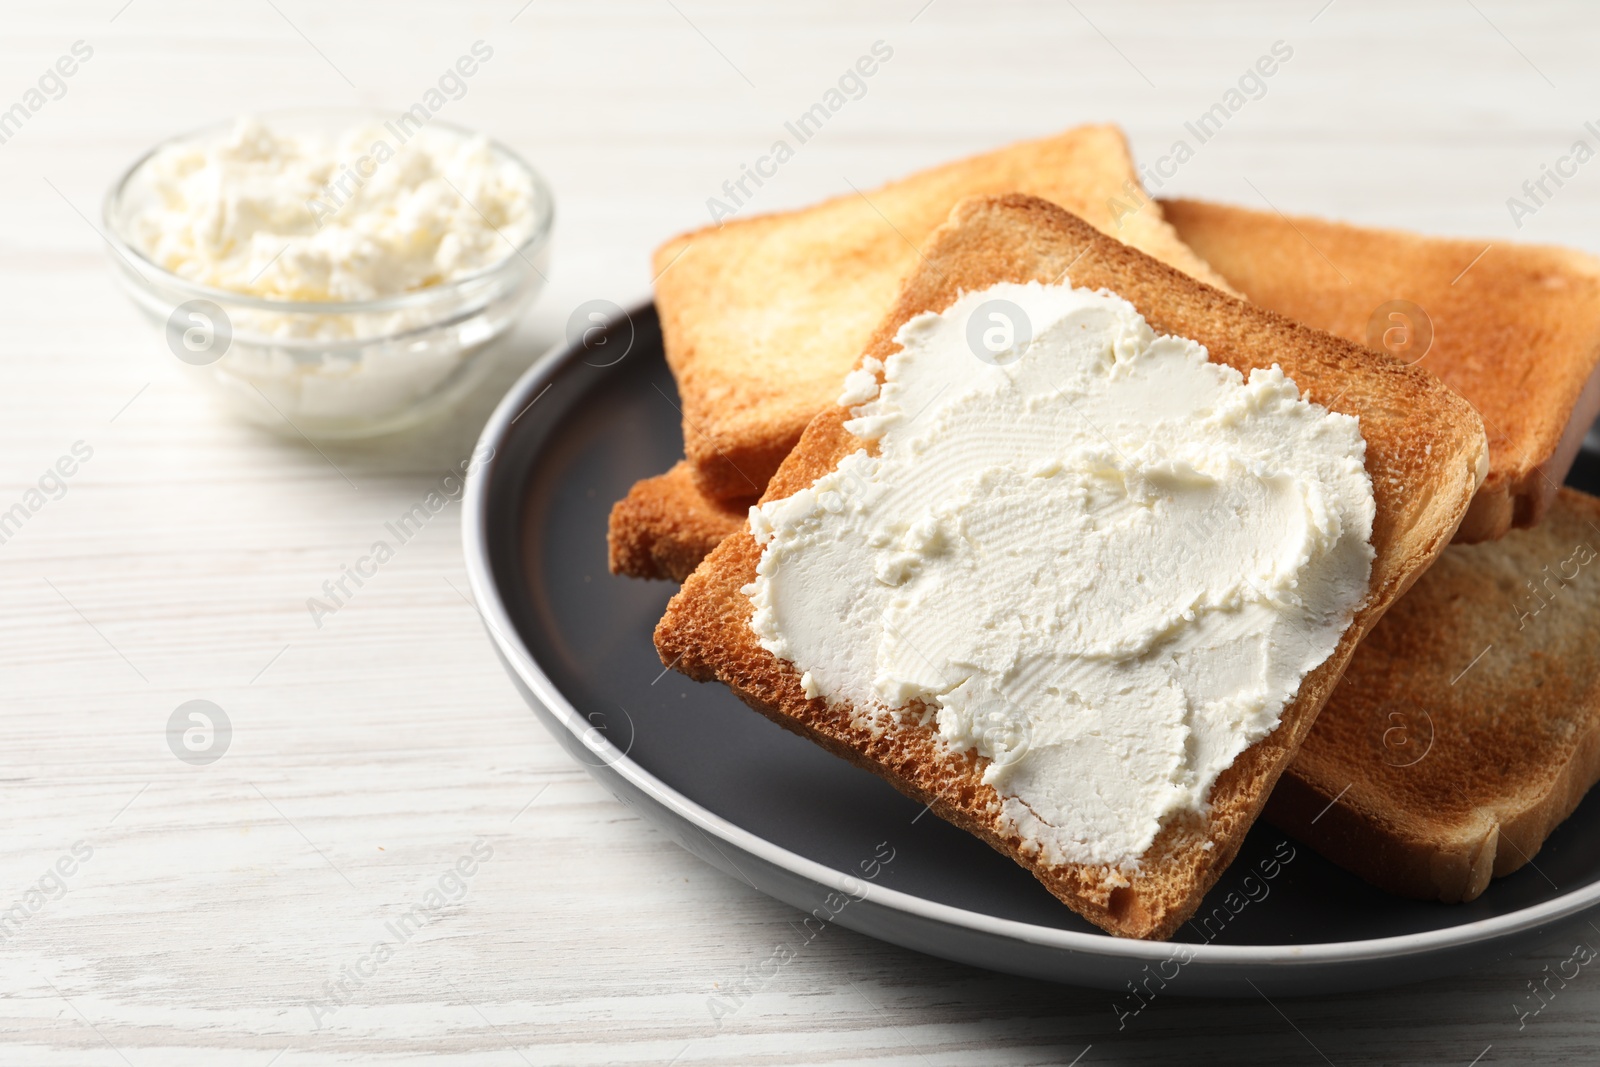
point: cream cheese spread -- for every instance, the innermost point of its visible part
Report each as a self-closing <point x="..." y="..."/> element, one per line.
<point x="358" y="216"/>
<point x="298" y="209"/>
<point x="1077" y="547"/>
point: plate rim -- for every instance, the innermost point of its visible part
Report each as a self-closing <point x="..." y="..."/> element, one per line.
<point x="519" y="659"/>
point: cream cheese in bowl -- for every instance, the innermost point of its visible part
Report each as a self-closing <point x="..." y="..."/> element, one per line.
<point x="332" y="274"/>
<point x="1097" y="559"/>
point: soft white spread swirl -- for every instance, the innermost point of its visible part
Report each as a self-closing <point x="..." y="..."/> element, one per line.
<point x="1099" y="559"/>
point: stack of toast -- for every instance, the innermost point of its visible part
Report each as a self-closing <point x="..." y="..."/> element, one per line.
<point x="1467" y="722"/>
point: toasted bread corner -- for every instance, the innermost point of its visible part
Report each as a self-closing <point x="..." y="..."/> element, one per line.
<point x="665" y="526"/>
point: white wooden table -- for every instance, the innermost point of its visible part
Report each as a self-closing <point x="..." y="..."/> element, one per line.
<point x="208" y="909"/>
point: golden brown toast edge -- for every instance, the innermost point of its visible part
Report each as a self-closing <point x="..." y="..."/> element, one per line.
<point x="1467" y="726"/>
<point x="839" y="265"/>
<point x="1516" y="327"/>
<point x="1425" y="454"/>
<point x="665" y="526"/>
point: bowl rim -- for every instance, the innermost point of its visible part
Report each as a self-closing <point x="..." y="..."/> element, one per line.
<point x="538" y="236"/>
<point x="475" y="536"/>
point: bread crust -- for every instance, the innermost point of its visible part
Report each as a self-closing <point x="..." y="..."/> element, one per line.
<point x="762" y="318"/>
<point x="1468" y="724"/>
<point x="665" y="526"/>
<point x="1516" y="328"/>
<point x="1425" y="455"/>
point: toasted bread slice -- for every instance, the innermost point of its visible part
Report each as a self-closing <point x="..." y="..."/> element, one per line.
<point x="1515" y="328"/>
<point x="1468" y="724"/>
<point x="763" y="317"/>
<point x="665" y="525"/>
<point x="1425" y="453"/>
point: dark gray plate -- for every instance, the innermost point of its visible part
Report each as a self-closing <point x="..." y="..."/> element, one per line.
<point x="770" y="808"/>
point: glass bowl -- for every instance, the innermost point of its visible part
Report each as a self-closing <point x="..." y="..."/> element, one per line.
<point x="331" y="369"/>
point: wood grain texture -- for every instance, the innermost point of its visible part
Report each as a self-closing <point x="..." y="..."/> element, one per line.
<point x="371" y="754"/>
